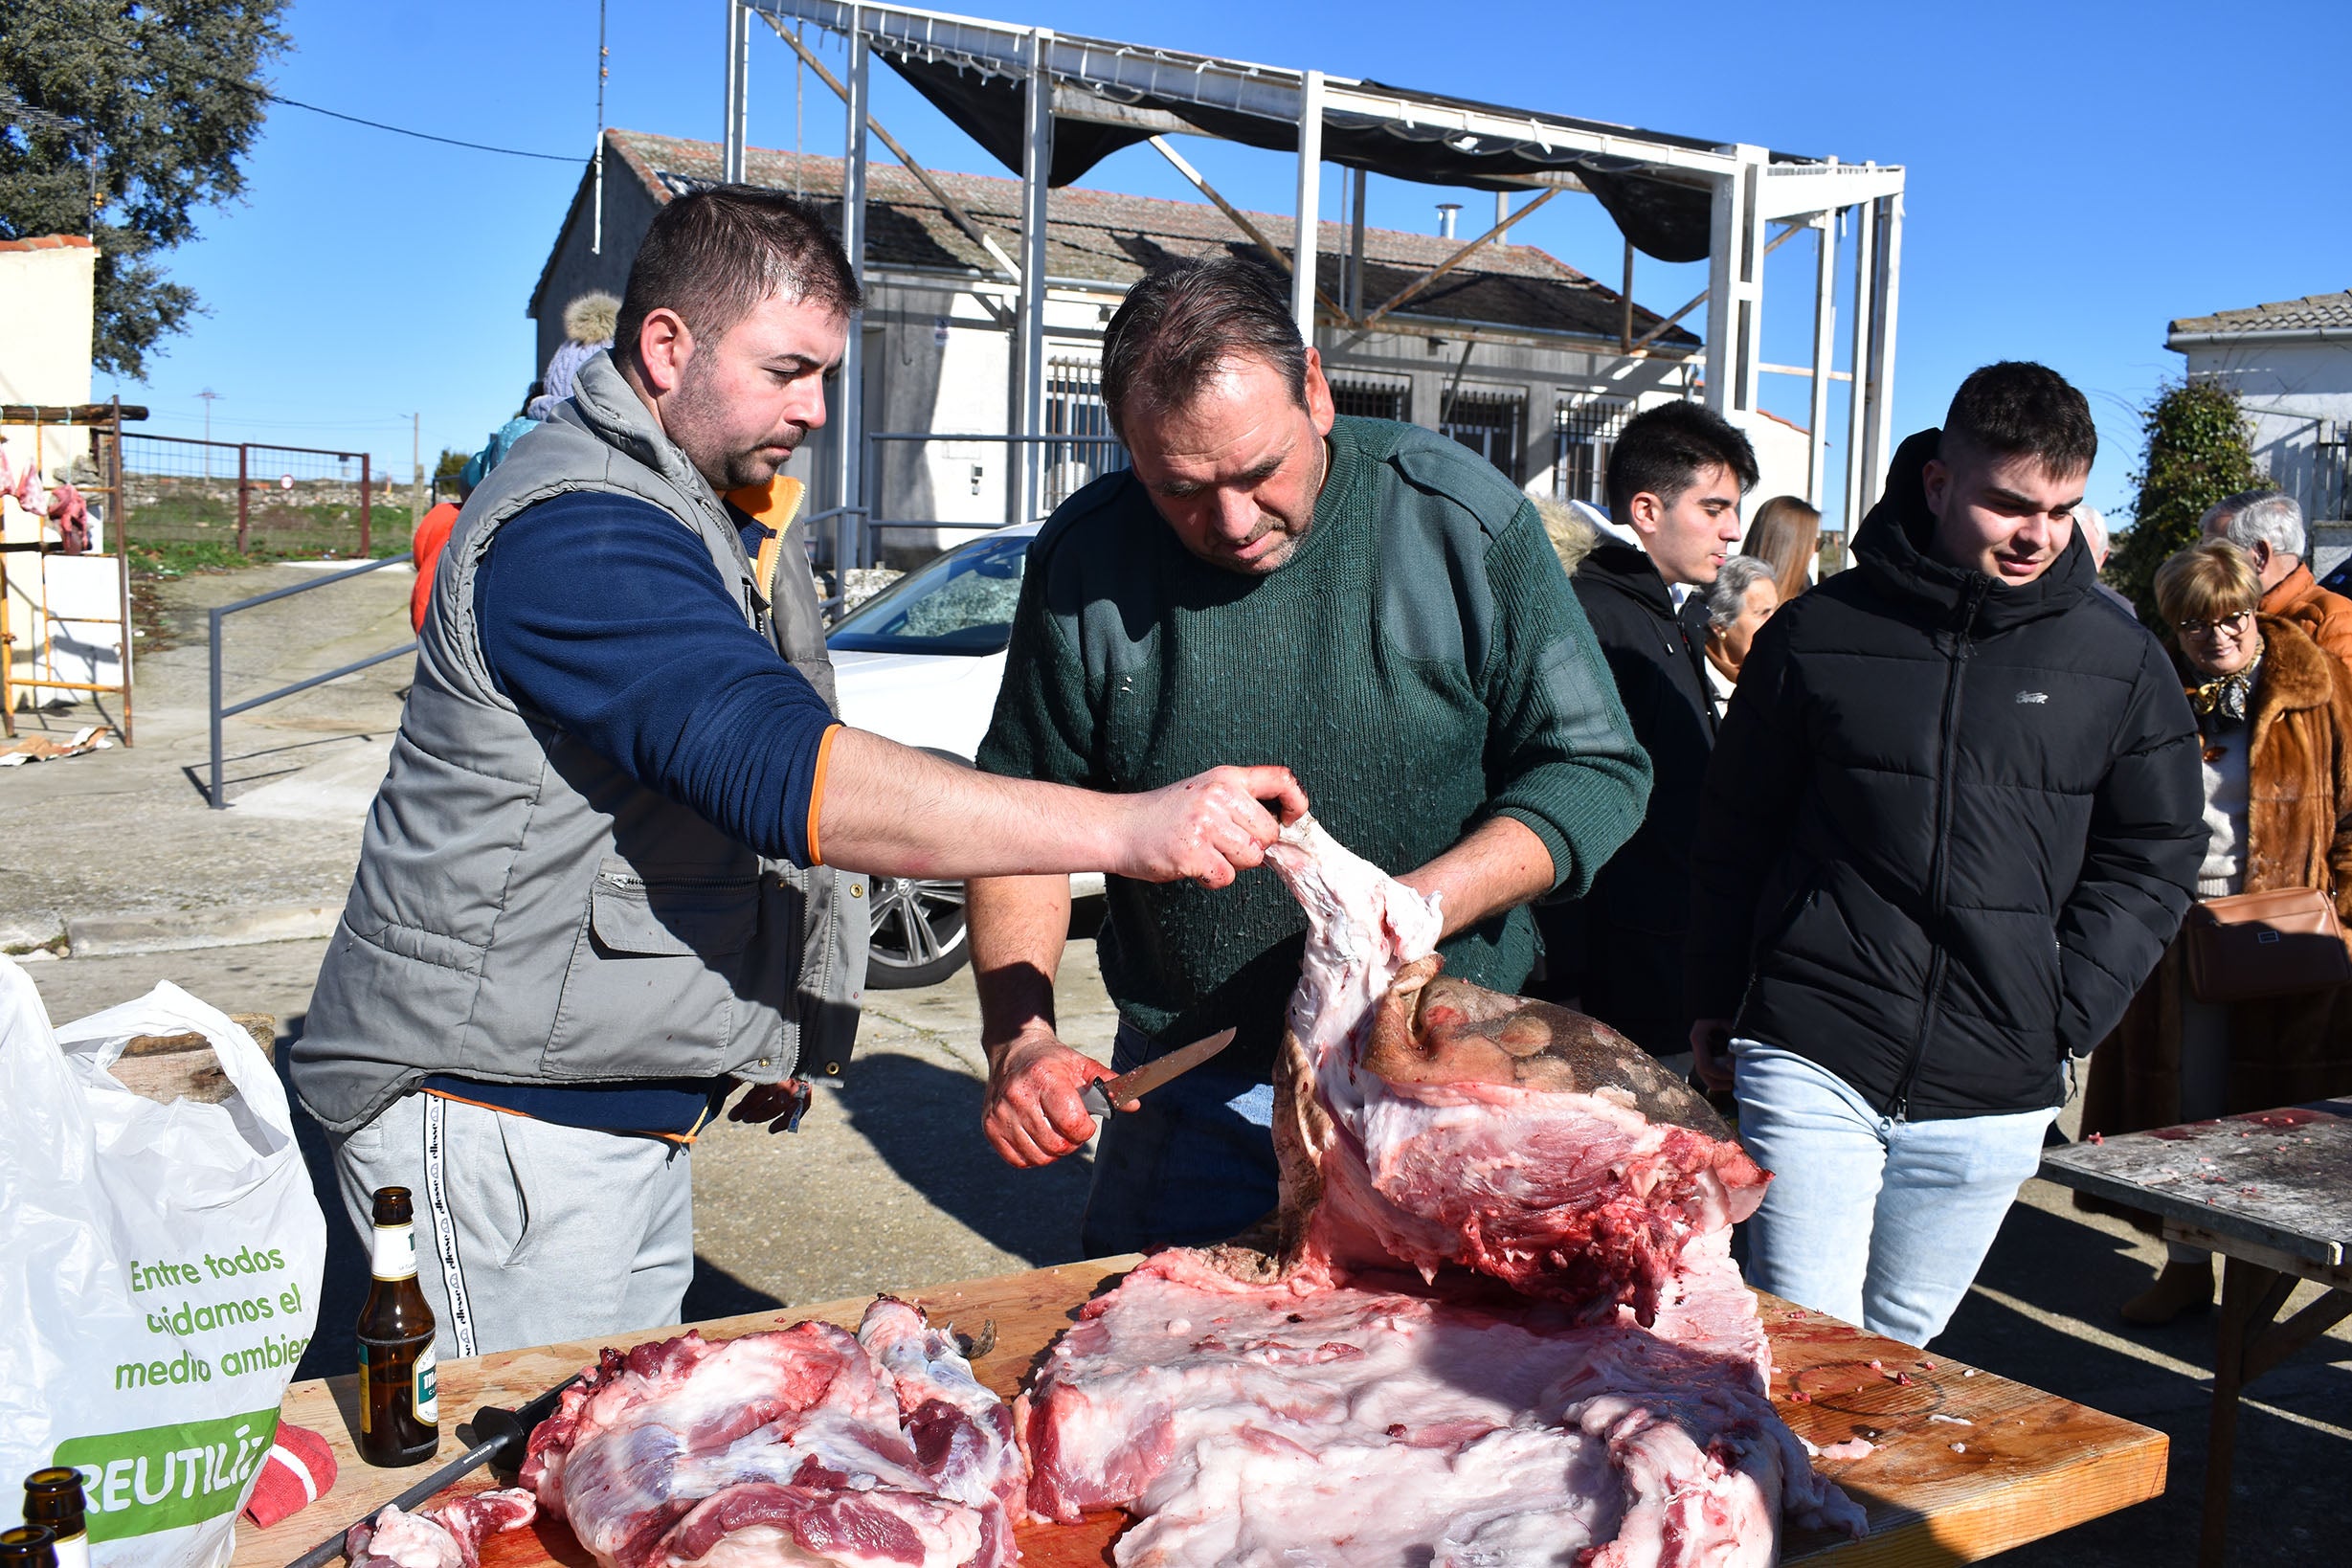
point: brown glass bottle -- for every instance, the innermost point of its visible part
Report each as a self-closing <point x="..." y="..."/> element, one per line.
<point x="53" y="1497"/>
<point x="27" y="1546"/>
<point x="399" y="1416"/>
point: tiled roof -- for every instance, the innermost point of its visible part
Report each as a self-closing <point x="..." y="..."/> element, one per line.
<point x="1105" y="237"/>
<point x="48" y="242"/>
<point x="2308" y="314"/>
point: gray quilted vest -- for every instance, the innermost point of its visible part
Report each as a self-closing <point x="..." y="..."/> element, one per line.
<point x="525" y="911"/>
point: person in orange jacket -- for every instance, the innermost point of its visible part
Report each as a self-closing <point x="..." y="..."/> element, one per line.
<point x="2268" y="524"/>
<point x="425" y="550"/>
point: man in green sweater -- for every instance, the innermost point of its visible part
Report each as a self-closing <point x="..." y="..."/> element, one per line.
<point x="1363" y="601"/>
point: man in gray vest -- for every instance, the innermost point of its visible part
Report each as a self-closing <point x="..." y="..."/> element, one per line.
<point x="617" y="868"/>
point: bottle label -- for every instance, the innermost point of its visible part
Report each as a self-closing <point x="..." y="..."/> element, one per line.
<point x="426" y="1389"/>
<point x="394" y="1253"/>
<point x="367" y="1427"/>
<point x="74" y="1551"/>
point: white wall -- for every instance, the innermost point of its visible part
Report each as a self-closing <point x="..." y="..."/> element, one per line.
<point x="2288" y="390"/>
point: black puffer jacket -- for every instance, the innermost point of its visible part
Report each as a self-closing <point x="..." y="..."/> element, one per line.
<point x="1635" y="918"/>
<point x="1949" y="826"/>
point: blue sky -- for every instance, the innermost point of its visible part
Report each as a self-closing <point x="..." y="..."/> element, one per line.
<point x="2078" y="175"/>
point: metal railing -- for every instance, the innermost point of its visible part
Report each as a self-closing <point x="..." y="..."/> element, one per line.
<point x="214" y="792"/>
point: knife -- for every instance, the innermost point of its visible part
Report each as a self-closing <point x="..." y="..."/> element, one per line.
<point x="503" y="1435"/>
<point x="1106" y="1095"/>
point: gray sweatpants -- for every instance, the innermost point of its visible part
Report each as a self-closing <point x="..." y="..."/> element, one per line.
<point x="542" y="1233"/>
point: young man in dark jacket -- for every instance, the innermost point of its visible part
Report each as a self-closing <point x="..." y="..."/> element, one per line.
<point x="1675" y="479"/>
<point x="1953" y="818"/>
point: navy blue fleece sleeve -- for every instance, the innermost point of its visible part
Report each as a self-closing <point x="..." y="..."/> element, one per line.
<point x="602" y="616"/>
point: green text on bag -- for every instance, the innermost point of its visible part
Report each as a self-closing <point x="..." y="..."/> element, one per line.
<point x="167" y="1477"/>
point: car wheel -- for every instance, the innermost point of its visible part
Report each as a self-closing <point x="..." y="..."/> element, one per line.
<point x="918" y="932"/>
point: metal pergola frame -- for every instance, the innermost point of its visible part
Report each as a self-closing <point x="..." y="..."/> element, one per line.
<point x="1098" y="80"/>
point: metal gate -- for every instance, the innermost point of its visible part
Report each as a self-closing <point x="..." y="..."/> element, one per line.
<point x="288" y="499"/>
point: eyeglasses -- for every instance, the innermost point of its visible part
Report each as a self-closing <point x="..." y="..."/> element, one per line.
<point x="2230" y="625"/>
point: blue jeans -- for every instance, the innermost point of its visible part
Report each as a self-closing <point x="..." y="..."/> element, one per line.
<point x="1877" y="1222"/>
<point x="1194" y="1166"/>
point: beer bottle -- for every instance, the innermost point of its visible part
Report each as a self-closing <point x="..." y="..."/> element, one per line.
<point x="399" y="1418"/>
<point x="53" y="1497"/>
<point x="27" y="1546"/>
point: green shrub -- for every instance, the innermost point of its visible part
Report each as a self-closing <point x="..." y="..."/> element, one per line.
<point x="2196" y="453"/>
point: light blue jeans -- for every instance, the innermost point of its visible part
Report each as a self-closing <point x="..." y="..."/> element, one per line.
<point x="1875" y="1221"/>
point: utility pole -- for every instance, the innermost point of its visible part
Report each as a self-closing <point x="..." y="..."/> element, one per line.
<point x="210" y="396"/>
<point x="416" y="461"/>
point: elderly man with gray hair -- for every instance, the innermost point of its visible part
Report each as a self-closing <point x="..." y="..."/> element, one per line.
<point x="2269" y="526"/>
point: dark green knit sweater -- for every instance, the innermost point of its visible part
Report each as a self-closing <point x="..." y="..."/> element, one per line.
<point x="1419" y="662"/>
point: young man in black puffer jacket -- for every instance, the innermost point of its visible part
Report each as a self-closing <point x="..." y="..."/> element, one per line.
<point x="1952" y="819"/>
<point x="1675" y="478"/>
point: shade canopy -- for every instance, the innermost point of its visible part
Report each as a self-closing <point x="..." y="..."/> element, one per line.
<point x="1655" y="186"/>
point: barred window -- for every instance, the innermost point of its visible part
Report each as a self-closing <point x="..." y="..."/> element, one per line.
<point x="1489" y="424"/>
<point x="1583" y="432"/>
<point x="1369" y="398"/>
<point x="1074" y="407"/>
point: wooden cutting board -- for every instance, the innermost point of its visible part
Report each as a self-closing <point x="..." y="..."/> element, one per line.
<point x="2024" y="1465"/>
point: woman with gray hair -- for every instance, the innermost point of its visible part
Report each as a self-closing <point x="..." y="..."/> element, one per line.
<point x="1742" y="598"/>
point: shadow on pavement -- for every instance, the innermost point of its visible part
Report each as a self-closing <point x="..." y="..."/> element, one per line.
<point x="260" y="764"/>
<point x="2288" y="1480"/>
<point x="925" y="1122"/>
<point x="717" y="1293"/>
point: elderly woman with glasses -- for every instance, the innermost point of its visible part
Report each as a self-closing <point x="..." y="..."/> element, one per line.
<point x="2275" y="714"/>
<point x="1742" y="597"/>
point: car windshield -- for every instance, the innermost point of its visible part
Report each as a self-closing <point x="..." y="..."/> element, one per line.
<point x="962" y="603"/>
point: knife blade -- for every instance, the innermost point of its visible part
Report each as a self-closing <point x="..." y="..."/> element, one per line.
<point x="1106" y="1095"/>
<point x="503" y="1435"/>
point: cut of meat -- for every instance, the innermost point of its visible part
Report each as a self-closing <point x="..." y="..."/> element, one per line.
<point x="1440" y="1123"/>
<point x="1254" y="1423"/>
<point x="1503" y="1327"/>
<point x="961" y="1433"/>
<point x="804" y="1445"/>
<point x="449" y="1537"/>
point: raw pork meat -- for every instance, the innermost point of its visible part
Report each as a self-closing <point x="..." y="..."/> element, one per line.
<point x="1431" y="1121"/>
<point x="449" y="1537"/>
<point x="1589" y="1390"/>
<point x="805" y="1446"/>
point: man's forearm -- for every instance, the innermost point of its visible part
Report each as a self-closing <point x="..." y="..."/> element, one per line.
<point x="1018" y="927"/>
<point x="892" y="810"/>
<point x="1500" y="866"/>
<point x="895" y="812"/>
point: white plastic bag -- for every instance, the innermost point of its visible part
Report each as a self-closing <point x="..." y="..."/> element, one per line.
<point x="159" y="1274"/>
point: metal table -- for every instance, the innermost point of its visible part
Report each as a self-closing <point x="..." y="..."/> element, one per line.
<point x="2272" y="1193"/>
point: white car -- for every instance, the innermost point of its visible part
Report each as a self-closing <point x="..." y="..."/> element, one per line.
<point x="920" y="664"/>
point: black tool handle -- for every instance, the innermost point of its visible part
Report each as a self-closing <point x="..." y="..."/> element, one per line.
<point x="508" y="1430"/>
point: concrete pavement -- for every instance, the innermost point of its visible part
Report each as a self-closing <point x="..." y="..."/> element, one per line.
<point x="127" y="832"/>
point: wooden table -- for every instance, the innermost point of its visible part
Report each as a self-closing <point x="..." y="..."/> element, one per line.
<point x="2026" y="1465"/>
<point x="2272" y="1193"/>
